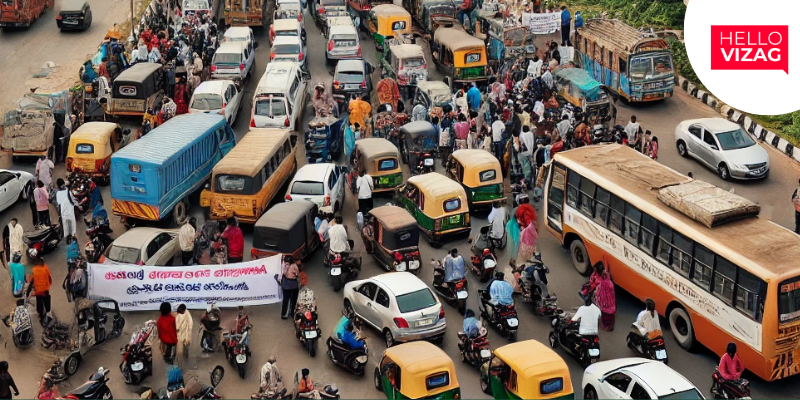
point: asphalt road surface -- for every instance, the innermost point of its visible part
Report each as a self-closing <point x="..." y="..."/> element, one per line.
<point x="271" y="335"/>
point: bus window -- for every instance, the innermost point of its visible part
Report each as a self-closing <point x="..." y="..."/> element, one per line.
<point x="681" y="254"/>
<point x="602" y="201"/>
<point x="724" y="278"/>
<point x="623" y="66"/>
<point x="703" y="264"/>
<point x="641" y="67"/>
<point x="587" y="197"/>
<point x="750" y="293"/>
<point x="617" y="211"/>
<point x="555" y="198"/>
<point x="648" y="237"/>
<point x="572" y="189"/>
<point x="632" y="219"/>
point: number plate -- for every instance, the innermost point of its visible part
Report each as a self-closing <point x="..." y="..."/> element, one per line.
<point x="455" y="219"/>
<point x="241" y="358"/>
<point x="336" y="271"/>
<point x="594" y="352"/>
<point x="137" y="366"/>
<point x="428" y="162"/>
<point x="384" y="180"/>
<point x="311" y="334"/>
<point x="352" y="87"/>
<point x="513" y="322"/>
<point x="345" y="43"/>
<point x="462" y="295"/>
<point x="661" y="354"/>
<point x="425" y="322"/>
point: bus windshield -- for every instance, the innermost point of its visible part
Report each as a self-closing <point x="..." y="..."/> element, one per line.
<point x="789" y="301"/>
<point x="650" y="66"/>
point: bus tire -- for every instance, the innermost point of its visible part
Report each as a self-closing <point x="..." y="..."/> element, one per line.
<point x="580" y="257"/>
<point x="681" y="325"/>
<point x="179" y="212"/>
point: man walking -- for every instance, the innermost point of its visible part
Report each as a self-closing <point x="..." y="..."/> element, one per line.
<point x="796" y="201"/>
<point x="66" y="206"/>
<point x="233" y="234"/>
<point x="15" y="237"/>
<point x="364" y="186"/>
<point x="40" y="281"/>
<point x="44" y="171"/>
<point x="566" y="18"/>
<point x="42" y="200"/>
<point x="498" y="127"/>
<point x="186" y="238"/>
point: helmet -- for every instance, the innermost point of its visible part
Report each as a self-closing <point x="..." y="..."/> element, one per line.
<point x="486" y="252"/>
<point x="32" y="252"/>
<point x="307" y="315"/>
<point x="489" y="263"/>
<point x="499" y="275"/>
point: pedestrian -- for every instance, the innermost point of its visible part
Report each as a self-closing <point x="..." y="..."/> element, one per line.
<point x="186" y="238"/>
<point x="796" y="202"/>
<point x="290" y="285"/>
<point x="601" y="284"/>
<point x="474" y="97"/>
<point x="233" y="234"/>
<point x="39" y="282"/>
<point x="102" y="69"/>
<point x="66" y="205"/>
<point x="42" y="200"/>
<point x="183" y="324"/>
<point x="6" y="382"/>
<point x="167" y="332"/>
<point x="364" y="186"/>
<point x="44" y="171"/>
<point x="15" y="237"/>
<point x="653" y="152"/>
<point x="73" y="251"/>
<point x="528" y="234"/>
<point x="17" y="272"/>
<point x="632" y="129"/>
<point x="498" y="127"/>
<point x="461" y="132"/>
<point x="564" y="125"/>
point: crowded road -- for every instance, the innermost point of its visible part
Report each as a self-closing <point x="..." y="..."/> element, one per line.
<point x="271" y="335"/>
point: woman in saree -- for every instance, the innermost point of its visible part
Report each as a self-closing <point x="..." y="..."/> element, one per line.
<point x="604" y="297"/>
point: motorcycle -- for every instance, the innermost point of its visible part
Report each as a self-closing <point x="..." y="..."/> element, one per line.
<point x="177" y="389"/>
<point x="81" y="187"/>
<point x="504" y="318"/>
<point x="483" y="258"/>
<point x="236" y="343"/>
<point x="98" y="231"/>
<point x="725" y="389"/>
<point x="210" y="328"/>
<point x="474" y="351"/>
<point x="426" y="164"/>
<point x="652" y="346"/>
<point x="137" y="355"/>
<point x="351" y="360"/>
<point x="455" y="293"/>
<point x="43" y="240"/>
<point x="585" y="349"/>
<point x="306" y="326"/>
<point x="47" y="386"/>
<point x="94" y="388"/>
<point x="533" y="285"/>
<point x="20" y="324"/>
<point x="344" y="267"/>
<point x="329" y="391"/>
<point x="55" y="334"/>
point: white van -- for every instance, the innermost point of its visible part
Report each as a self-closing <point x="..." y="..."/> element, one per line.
<point x="280" y="98"/>
<point x="234" y="61"/>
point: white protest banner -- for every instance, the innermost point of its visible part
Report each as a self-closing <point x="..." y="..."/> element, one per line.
<point x="139" y="288"/>
<point x="542" y="24"/>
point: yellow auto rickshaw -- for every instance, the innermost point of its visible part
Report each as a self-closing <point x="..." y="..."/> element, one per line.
<point x="478" y="171"/>
<point x="387" y="20"/>
<point x="526" y="370"/>
<point x="381" y="160"/>
<point x="416" y="370"/>
<point x="461" y="56"/>
<point x="439" y="205"/>
<point x="90" y="149"/>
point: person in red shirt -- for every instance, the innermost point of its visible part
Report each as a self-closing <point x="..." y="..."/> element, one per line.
<point x="167" y="332"/>
<point x="731" y="366"/>
<point x="233" y="234"/>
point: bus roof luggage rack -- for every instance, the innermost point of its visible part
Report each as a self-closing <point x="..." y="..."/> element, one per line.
<point x="706" y="203"/>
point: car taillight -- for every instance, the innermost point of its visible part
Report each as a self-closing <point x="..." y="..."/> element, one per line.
<point x="321" y="10"/>
<point x="364" y="83"/>
<point x="69" y="163"/>
<point x="414" y="253"/>
<point x="336" y="84"/>
<point x="58" y="17"/>
<point x="288" y="197"/>
<point x="397" y="256"/>
<point x="400" y="322"/>
<point x="300" y="17"/>
<point x="272" y="34"/>
<point x="366" y="7"/>
<point x="327" y="200"/>
<point x="330" y="45"/>
<point x="253" y="254"/>
<point x="441" y="313"/>
<point x="272" y="56"/>
<point x="597" y="339"/>
<point x="300" y="56"/>
<point x="359" y="50"/>
<point x="252" y="122"/>
<point x="71" y="396"/>
<point x="424" y="66"/>
<point x="241" y="67"/>
<point x="286" y="122"/>
<point x="213" y="68"/>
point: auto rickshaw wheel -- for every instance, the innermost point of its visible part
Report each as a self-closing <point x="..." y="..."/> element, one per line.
<point x="377" y="380"/>
<point x="71" y="363"/>
<point x="485" y="388"/>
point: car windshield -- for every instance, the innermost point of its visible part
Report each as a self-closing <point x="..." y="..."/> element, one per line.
<point x="123" y="255"/>
<point x="691" y="394"/>
<point x="286" y="49"/>
<point x="271" y="108"/>
<point x="206" y="102"/>
<point x="308" y="188"/>
<point x="287" y="32"/>
<point x="227" y="58"/>
<point x="413" y="62"/>
<point x="736" y="139"/>
<point x="415" y="301"/>
<point x="349" y="77"/>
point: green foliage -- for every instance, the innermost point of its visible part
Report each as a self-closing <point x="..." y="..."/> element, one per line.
<point x="785" y="125"/>
<point x="637" y="13"/>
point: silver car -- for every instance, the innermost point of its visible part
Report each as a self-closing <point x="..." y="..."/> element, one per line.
<point x="342" y="43"/>
<point x="399" y="305"/>
<point x="723" y="146"/>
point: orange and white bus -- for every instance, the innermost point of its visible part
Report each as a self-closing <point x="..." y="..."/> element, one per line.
<point x="735" y="282"/>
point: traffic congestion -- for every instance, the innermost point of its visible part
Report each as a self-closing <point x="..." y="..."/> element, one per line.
<point x="357" y="199"/>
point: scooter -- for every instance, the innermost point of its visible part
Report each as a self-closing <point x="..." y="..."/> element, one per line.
<point x="503" y="318"/>
<point x="236" y="343"/>
<point x="533" y="283"/>
<point x="723" y="389"/>
<point x="137" y="355"/>
<point x="43" y="240"/>
<point x="95" y="388"/>
<point x="20" y="324"/>
<point x="177" y="389"/>
<point x="210" y="329"/>
<point x="585" y="349"/>
<point x="474" y="351"/>
<point x="351" y="360"/>
<point x="455" y="293"/>
<point x="483" y="259"/>
<point x="653" y="347"/>
<point x="55" y="334"/>
<point x="307" y="330"/>
<point x="344" y="267"/>
<point x="48" y="388"/>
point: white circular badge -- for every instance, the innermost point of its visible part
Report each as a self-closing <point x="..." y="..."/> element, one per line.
<point x="746" y="52"/>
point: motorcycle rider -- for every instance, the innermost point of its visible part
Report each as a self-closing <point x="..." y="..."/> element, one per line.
<point x="454" y="269"/>
<point x="499" y="291"/>
<point x="271" y="381"/>
<point x="647" y="320"/>
<point x="471" y="328"/>
<point x="731" y="366"/>
<point x="305" y="388"/>
<point x="346" y="332"/>
<point x="322" y="223"/>
<point x="589" y="317"/>
<point x="498" y="218"/>
<point x="337" y="236"/>
<point x="537" y="274"/>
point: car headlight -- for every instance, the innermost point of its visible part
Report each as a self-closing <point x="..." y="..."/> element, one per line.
<point x="739" y="167"/>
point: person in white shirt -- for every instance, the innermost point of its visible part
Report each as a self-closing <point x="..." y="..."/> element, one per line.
<point x="338" y="236"/>
<point x="589" y="316"/>
<point x="563" y="126"/>
<point x="538" y="107"/>
<point x="364" y="186"/>
<point x="15" y="238"/>
<point x="535" y="67"/>
<point x="498" y="127"/>
<point x="321" y="223"/>
<point x="498" y="218"/>
<point x="548" y="80"/>
<point x="632" y="129"/>
<point x="186" y="237"/>
<point x="527" y="140"/>
<point x="647" y="320"/>
<point x="66" y="207"/>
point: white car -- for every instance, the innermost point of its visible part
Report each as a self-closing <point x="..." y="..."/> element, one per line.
<point x="220" y="97"/>
<point x="636" y="378"/>
<point x="322" y="184"/>
<point x="399" y="305"/>
<point x="289" y="48"/>
<point x="15" y="185"/>
<point x="234" y="61"/>
<point x="144" y="246"/>
<point x="723" y="146"/>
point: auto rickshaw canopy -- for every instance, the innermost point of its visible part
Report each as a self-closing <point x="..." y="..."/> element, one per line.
<point x="407" y="50"/>
<point x="417" y="362"/>
<point x="422" y="135"/>
<point x="437" y="189"/>
<point x="286" y="227"/>
<point x="536" y="365"/>
<point x="387" y="15"/>
<point x="99" y="134"/>
<point x="374" y="149"/>
<point x="400" y="228"/>
<point x="476" y="165"/>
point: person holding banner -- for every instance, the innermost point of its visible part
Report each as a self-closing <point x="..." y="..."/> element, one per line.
<point x="290" y="285"/>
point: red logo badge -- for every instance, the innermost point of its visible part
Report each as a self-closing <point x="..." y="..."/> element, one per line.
<point x="750" y="47"/>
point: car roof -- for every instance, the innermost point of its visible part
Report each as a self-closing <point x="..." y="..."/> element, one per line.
<point x="351" y="64"/>
<point x="341" y="20"/>
<point x="237" y="31"/>
<point x="313" y="172"/>
<point x="286" y="24"/>
<point x="342" y="29"/>
<point x="400" y="283"/>
<point x="716" y="125"/>
<point x="230" y="47"/>
<point x="73" y="5"/>
<point x="215" y="87"/>
<point x="136" y="237"/>
<point x="286" y="40"/>
<point x="662" y="379"/>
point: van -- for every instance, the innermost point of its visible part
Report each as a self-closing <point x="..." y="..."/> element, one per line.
<point x="287" y="27"/>
<point x="241" y="34"/>
<point x="280" y="98"/>
<point x="343" y="42"/>
<point x="234" y="61"/>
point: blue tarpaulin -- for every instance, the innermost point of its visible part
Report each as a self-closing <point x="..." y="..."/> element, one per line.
<point x="590" y="88"/>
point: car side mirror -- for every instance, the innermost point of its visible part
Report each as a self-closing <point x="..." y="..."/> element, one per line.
<point x="715" y="148"/>
<point x="255" y="45"/>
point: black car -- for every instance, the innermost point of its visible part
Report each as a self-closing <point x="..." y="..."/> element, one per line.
<point x="352" y="76"/>
<point x="74" y="15"/>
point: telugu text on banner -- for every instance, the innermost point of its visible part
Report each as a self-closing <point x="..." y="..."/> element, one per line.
<point x="542" y="24"/>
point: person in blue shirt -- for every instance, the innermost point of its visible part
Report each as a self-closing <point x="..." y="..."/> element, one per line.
<point x="345" y="331"/>
<point x="566" y="17"/>
<point x="578" y="20"/>
<point x="73" y="251"/>
<point x="500" y="292"/>
<point x="454" y="269"/>
<point x="471" y="327"/>
<point x="17" y="271"/>
<point x="474" y="98"/>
